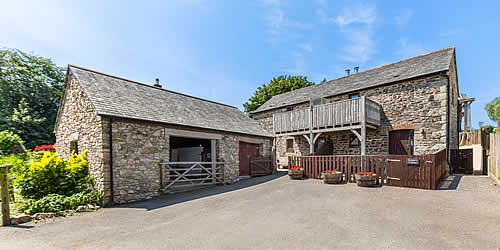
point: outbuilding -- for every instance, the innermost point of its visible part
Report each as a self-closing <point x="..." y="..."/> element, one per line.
<point x="142" y="138"/>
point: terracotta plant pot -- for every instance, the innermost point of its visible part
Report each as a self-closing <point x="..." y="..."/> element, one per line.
<point x="366" y="180"/>
<point x="296" y="174"/>
<point x="332" y="178"/>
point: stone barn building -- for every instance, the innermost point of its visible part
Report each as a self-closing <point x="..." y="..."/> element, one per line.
<point x="408" y="108"/>
<point x="128" y="128"/>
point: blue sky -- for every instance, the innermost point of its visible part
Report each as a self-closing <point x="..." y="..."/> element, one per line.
<point x="224" y="50"/>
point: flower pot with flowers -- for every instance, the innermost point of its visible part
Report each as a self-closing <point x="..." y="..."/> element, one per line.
<point x="332" y="176"/>
<point x="366" y="179"/>
<point x="296" y="173"/>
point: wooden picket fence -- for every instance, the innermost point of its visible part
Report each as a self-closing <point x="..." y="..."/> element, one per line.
<point x="392" y="170"/>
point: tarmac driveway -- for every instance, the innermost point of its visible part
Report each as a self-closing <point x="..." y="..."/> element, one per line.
<point x="274" y="212"/>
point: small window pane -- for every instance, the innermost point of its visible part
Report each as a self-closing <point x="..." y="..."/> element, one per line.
<point x="353" y="141"/>
<point x="74" y="147"/>
<point x="289" y="145"/>
<point x="354" y="96"/>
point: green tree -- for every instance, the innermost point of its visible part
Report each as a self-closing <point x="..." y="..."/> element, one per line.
<point x="30" y="90"/>
<point x="276" y="86"/>
<point x="493" y="109"/>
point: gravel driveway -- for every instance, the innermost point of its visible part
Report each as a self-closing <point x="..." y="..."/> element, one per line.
<point x="274" y="212"/>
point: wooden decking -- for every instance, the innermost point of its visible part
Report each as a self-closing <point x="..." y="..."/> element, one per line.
<point x="341" y="115"/>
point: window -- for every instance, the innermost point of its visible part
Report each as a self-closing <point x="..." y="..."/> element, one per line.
<point x="289" y="145"/>
<point x="353" y="141"/>
<point x="354" y="96"/>
<point x="73" y="147"/>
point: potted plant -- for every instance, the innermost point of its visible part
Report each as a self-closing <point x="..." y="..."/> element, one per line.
<point x="366" y="179"/>
<point x="295" y="173"/>
<point x="332" y="176"/>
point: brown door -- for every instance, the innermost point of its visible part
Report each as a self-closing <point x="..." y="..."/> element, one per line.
<point x="464" y="165"/>
<point x="246" y="151"/>
<point x="401" y="142"/>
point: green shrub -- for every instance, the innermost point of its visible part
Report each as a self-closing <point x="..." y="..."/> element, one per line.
<point x="56" y="203"/>
<point x="50" y="174"/>
<point x="10" y="143"/>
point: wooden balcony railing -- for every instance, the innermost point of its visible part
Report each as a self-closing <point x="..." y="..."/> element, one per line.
<point x="346" y="114"/>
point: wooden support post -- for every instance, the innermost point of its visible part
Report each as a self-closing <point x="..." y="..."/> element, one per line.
<point x="363" y="129"/>
<point x="213" y="156"/>
<point x="363" y="125"/>
<point x="4" y="195"/>
<point x="311" y="142"/>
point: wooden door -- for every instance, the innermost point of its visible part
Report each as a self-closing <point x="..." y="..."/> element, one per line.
<point x="401" y="142"/>
<point x="464" y="163"/>
<point x="247" y="150"/>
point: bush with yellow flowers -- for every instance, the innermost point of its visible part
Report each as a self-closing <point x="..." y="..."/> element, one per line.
<point x="50" y="174"/>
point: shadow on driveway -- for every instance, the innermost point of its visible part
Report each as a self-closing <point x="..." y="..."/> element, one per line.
<point x="176" y="198"/>
<point x="450" y="182"/>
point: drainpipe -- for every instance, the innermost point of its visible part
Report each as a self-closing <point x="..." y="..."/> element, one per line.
<point x="111" y="158"/>
<point x="448" y="150"/>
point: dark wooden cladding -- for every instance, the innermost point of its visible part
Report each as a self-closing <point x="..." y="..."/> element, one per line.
<point x="391" y="170"/>
<point x="260" y="166"/>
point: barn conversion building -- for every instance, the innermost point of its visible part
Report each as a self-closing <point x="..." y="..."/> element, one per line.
<point x="128" y="128"/>
<point x="408" y="107"/>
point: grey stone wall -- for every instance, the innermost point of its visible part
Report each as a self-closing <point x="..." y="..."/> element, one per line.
<point x="78" y="121"/>
<point x="138" y="149"/>
<point x="416" y="104"/>
<point x="453" y="92"/>
<point x="228" y="150"/>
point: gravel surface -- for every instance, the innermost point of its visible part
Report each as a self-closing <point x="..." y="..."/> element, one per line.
<point x="274" y="212"/>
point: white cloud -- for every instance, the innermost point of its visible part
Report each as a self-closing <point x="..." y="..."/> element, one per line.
<point x="279" y="25"/>
<point x="403" y="17"/>
<point x="406" y="49"/>
<point x="357" y="24"/>
<point x="357" y="14"/>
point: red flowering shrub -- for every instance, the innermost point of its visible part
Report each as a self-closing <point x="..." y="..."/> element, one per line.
<point x="295" y="168"/>
<point x="365" y="173"/>
<point x="48" y="148"/>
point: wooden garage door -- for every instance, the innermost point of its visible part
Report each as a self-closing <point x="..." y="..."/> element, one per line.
<point x="247" y="150"/>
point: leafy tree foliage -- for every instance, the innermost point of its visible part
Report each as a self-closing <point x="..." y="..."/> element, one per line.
<point x="30" y="90"/>
<point x="493" y="109"/>
<point x="276" y="86"/>
<point x="10" y="143"/>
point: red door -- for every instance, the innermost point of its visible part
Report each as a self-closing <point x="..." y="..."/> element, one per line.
<point x="246" y="151"/>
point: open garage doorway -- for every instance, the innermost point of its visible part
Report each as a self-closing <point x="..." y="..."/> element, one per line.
<point x="184" y="149"/>
<point x="192" y="163"/>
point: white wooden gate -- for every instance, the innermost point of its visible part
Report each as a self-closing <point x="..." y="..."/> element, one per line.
<point x="188" y="174"/>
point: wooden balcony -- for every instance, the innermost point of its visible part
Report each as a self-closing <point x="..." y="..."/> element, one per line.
<point x="335" y="116"/>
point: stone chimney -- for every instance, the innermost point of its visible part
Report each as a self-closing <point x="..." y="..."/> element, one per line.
<point x="157" y="84"/>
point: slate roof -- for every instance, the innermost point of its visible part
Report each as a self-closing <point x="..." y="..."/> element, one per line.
<point x="433" y="62"/>
<point x="118" y="97"/>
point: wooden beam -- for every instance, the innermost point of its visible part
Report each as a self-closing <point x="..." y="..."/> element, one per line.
<point x="191" y="134"/>
<point x="307" y="138"/>
<point x="311" y="124"/>
<point x="363" y="125"/>
<point x="252" y="140"/>
<point x="357" y="134"/>
<point x="316" y="137"/>
<point x="213" y="156"/>
<point x="4" y="195"/>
